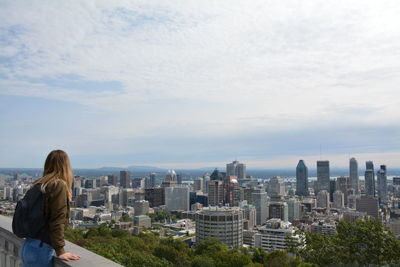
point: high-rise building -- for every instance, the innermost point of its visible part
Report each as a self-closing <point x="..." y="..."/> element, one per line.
<point x="224" y="223"/>
<point x="332" y="189"/>
<point x="276" y="187"/>
<point x="152" y="180"/>
<point x="294" y="209"/>
<point x="206" y="179"/>
<point x="250" y="216"/>
<point x="138" y="183"/>
<point x="323" y="175"/>
<point x="236" y="169"/>
<point x="381" y="176"/>
<point x="217" y="175"/>
<point x="323" y="199"/>
<point x="278" y="210"/>
<point x="125" y="179"/>
<point x="369" y="179"/>
<point x="215" y="192"/>
<point x="274" y="235"/>
<point x="179" y="178"/>
<point x="112" y="179"/>
<point x="301" y="179"/>
<point x="338" y="200"/>
<point x="170" y="179"/>
<point x="198" y="184"/>
<point x="354" y="177"/>
<point x="369" y="205"/>
<point x="232" y="191"/>
<point x="342" y="184"/>
<point x="177" y="198"/>
<point x="259" y="200"/>
<point x="155" y="196"/>
<point x="141" y="207"/>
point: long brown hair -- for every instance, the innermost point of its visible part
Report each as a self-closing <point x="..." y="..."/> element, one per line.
<point x="57" y="168"/>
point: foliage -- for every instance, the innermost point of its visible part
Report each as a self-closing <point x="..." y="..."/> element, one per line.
<point x="161" y="216"/>
<point x="359" y="243"/>
<point x="125" y="218"/>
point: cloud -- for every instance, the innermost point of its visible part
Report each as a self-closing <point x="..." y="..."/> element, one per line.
<point x="200" y="71"/>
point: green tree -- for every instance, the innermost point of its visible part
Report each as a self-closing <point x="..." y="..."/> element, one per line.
<point x="362" y="242"/>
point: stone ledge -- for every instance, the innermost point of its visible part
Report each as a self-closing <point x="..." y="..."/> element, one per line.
<point x="10" y="245"/>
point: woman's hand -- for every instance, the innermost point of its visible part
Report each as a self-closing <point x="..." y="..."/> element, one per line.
<point x="69" y="256"/>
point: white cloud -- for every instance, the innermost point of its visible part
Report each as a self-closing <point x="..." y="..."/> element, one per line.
<point x="230" y="66"/>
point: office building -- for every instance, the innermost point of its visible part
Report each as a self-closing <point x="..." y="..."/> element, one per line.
<point x="338" y="200"/>
<point x="155" y="196"/>
<point x="381" y="176"/>
<point x="112" y="179"/>
<point x="206" y="179"/>
<point x="141" y="207"/>
<point x="353" y="175"/>
<point x="198" y="184"/>
<point x="369" y="179"/>
<point x="323" y="199"/>
<point x="294" y="209"/>
<point x="223" y="223"/>
<point x="301" y="179"/>
<point x="249" y="216"/>
<point x="125" y="179"/>
<point x="276" y="187"/>
<point x="215" y="192"/>
<point x="323" y="175"/>
<point x="170" y="179"/>
<point x="259" y="200"/>
<point x="369" y="205"/>
<point x="275" y="235"/>
<point x="236" y="169"/>
<point x="138" y="183"/>
<point x="342" y="184"/>
<point x="278" y="210"/>
<point x="177" y="198"/>
<point x="152" y="180"/>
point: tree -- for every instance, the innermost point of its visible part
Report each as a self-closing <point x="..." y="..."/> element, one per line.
<point x="362" y="242"/>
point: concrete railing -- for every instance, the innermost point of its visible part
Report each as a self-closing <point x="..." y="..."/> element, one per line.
<point x="10" y="245"/>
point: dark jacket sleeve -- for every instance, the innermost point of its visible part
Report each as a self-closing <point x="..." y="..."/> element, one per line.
<point x="57" y="202"/>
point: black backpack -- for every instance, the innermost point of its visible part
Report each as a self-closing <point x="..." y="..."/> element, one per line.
<point x="29" y="219"/>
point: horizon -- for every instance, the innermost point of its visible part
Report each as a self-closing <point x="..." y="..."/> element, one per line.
<point x="193" y="84"/>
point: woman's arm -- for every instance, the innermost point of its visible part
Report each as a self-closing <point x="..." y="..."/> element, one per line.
<point x="57" y="214"/>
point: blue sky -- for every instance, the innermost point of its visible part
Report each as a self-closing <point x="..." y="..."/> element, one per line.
<point x="199" y="83"/>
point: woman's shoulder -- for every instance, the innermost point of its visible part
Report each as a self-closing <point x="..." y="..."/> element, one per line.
<point x="56" y="186"/>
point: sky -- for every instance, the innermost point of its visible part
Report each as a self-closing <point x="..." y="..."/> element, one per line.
<point x="199" y="83"/>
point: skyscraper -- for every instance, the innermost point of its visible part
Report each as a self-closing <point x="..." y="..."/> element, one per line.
<point x="276" y="187"/>
<point x="369" y="179"/>
<point x="323" y="199"/>
<point x="170" y="179"/>
<point x="353" y="174"/>
<point x="224" y="224"/>
<point x="125" y="179"/>
<point x="342" y="184"/>
<point x="177" y="198"/>
<point x="152" y="180"/>
<point x="259" y="197"/>
<point x="301" y="179"/>
<point x="382" y="185"/>
<point x="338" y="199"/>
<point x="323" y="175"/>
<point x="215" y="192"/>
<point x="236" y="169"/>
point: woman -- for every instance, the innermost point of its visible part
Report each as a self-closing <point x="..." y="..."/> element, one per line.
<point x="56" y="185"/>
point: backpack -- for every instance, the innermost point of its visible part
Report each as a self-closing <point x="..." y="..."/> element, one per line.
<point x="29" y="219"/>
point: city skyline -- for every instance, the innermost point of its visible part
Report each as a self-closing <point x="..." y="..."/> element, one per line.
<point x="166" y="84"/>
